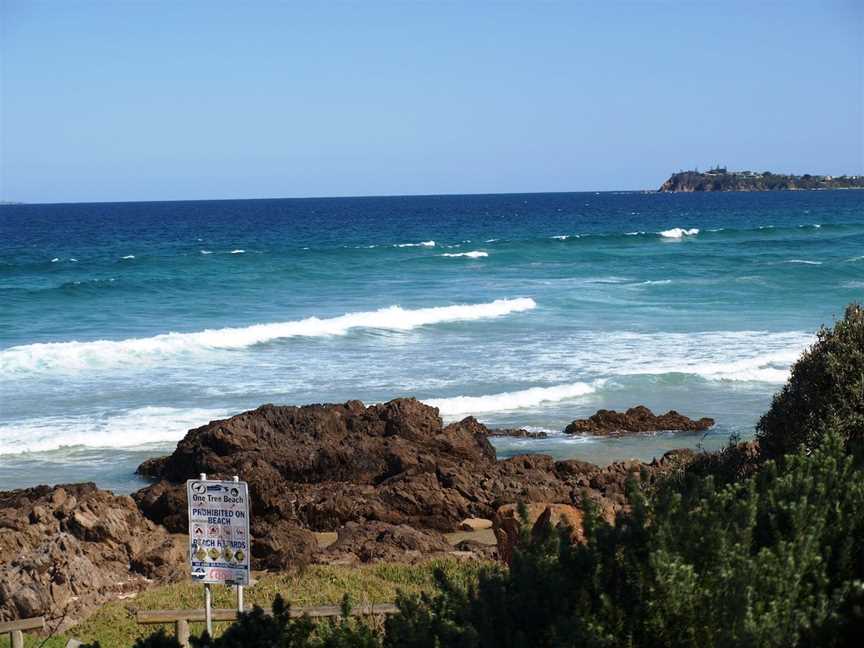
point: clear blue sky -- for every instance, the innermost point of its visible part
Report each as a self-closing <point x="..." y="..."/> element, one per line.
<point x="175" y="100"/>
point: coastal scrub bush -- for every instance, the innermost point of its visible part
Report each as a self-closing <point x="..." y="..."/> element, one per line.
<point x="159" y="639"/>
<point x="825" y="388"/>
<point x="774" y="560"/>
<point x="257" y="629"/>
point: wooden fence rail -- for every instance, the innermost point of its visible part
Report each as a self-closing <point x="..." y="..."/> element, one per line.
<point x="182" y="618"/>
<point x="17" y="629"/>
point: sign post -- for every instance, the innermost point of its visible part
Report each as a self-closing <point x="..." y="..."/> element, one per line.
<point x="218" y="536"/>
<point x="239" y="585"/>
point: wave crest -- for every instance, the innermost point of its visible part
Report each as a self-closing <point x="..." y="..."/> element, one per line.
<point x="420" y="244"/>
<point x="525" y="398"/>
<point x="474" y="254"/>
<point x="132" y="428"/>
<point x="678" y="232"/>
<point x="106" y="353"/>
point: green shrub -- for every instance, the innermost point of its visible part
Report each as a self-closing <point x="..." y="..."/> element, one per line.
<point x="775" y="560"/>
<point x="826" y="387"/>
<point x="257" y="629"/>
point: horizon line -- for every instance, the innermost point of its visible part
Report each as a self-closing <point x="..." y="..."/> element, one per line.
<point x="12" y="203"/>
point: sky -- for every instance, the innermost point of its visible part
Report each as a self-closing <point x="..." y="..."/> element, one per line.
<point x="116" y="101"/>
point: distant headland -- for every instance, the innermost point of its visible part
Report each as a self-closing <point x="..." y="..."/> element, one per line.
<point x="720" y="179"/>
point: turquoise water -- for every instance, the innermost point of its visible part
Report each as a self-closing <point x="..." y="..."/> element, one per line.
<point x="124" y="325"/>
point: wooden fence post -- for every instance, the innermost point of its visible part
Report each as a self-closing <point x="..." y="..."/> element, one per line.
<point x="182" y="631"/>
<point x="17" y="639"/>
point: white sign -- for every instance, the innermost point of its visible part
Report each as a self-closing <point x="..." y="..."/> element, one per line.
<point x="219" y="531"/>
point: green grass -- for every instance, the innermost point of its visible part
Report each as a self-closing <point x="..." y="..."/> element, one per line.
<point x="114" y="625"/>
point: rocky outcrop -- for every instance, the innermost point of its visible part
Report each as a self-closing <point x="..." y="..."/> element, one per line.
<point x="636" y="419"/>
<point x="323" y="467"/>
<point x="378" y="541"/>
<point x="316" y="443"/>
<point x="67" y="549"/>
<point x="320" y="467"/>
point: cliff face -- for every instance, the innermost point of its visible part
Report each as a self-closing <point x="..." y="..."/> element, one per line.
<point x="722" y="180"/>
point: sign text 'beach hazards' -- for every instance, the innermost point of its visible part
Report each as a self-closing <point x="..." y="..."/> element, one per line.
<point x="219" y="531"/>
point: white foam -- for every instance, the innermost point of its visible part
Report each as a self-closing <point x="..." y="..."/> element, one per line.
<point x="491" y="240"/>
<point x="76" y="356"/>
<point x="561" y="237"/>
<point x="55" y="260"/>
<point x="678" y="232"/>
<point x="525" y="398"/>
<point x="420" y="244"/>
<point x="770" y="368"/>
<point x="131" y="428"/>
<point x="804" y="261"/>
<point x="129" y="256"/>
<point x="734" y="356"/>
<point x="206" y="252"/>
<point x="475" y="254"/>
<point x="237" y="252"/>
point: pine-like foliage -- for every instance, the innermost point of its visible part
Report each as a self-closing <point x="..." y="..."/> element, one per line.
<point x="826" y="386"/>
<point x="775" y="560"/>
<point x="257" y="629"/>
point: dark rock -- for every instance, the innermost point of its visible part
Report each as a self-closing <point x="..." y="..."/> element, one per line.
<point x="574" y="467"/>
<point x="66" y="549"/>
<point x="315" y="443"/>
<point x="518" y="433"/>
<point x="152" y="467"/>
<point x="378" y="541"/>
<point x="280" y="545"/>
<point x="324" y="467"/>
<point x="636" y="419"/>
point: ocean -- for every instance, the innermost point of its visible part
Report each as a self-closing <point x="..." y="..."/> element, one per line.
<point x="124" y="325"/>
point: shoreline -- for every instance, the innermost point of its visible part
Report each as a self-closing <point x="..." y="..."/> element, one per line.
<point x="82" y="463"/>
<point x="342" y="484"/>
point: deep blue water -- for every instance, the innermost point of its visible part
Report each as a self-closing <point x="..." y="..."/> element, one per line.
<point x="123" y="325"/>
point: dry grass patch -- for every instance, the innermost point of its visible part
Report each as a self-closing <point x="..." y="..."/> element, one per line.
<point x="114" y="625"/>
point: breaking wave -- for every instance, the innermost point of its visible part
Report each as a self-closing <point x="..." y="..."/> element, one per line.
<point x="420" y="244"/>
<point x="129" y="429"/>
<point x="678" y="232"/>
<point x="106" y="353"/>
<point x="475" y="254"/>
<point x="505" y="401"/>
